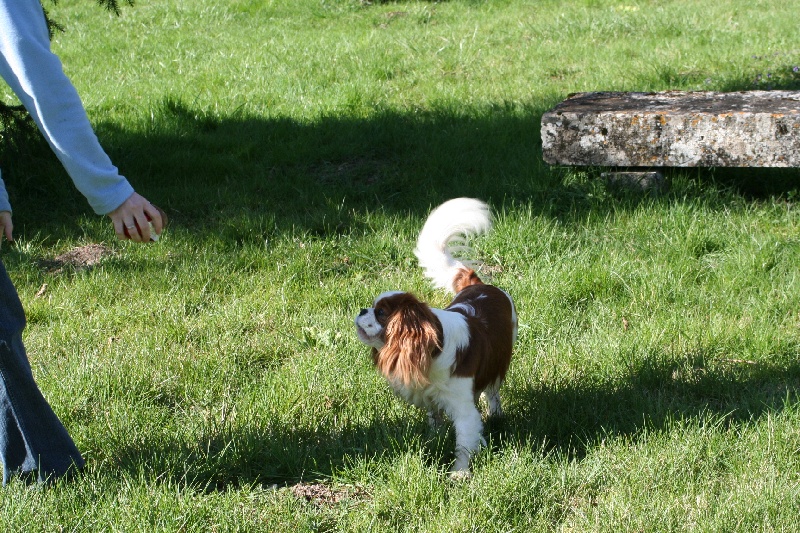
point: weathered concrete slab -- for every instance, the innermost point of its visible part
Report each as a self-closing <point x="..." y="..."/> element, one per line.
<point x="674" y="129"/>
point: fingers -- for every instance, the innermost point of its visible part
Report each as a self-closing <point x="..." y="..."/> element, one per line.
<point x="127" y="228"/>
<point x="6" y="227"/>
<point x="119" y="229"/>
<point x="137" y="219"/>
<point x="156" y="217"/>
<point x="136" y="231"/>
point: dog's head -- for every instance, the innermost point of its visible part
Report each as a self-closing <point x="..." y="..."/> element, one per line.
<point x="404" y="335"/>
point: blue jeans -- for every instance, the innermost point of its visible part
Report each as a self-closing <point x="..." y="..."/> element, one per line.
<point x="32" y="438"/>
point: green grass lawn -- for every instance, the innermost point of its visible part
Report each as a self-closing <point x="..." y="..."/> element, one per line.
<point x="214" y="381"/>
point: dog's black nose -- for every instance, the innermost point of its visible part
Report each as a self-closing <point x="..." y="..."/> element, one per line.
<point x="363" y="312"/>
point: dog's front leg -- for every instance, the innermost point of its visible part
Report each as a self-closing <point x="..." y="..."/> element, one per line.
<point x="461" y="409"/>
<point x="469" y="427"/>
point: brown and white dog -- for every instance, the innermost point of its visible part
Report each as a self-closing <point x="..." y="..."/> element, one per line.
<point x="442" y="360"/>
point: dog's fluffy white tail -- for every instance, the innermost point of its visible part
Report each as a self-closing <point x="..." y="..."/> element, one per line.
<point x="441" y="245"/>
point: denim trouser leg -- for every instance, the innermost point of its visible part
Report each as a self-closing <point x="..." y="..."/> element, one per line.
<point x="31" y="435"/>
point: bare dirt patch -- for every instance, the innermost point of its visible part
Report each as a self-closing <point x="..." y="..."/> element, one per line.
<point x="80" y="258"/>
<point x="322" y="495"/>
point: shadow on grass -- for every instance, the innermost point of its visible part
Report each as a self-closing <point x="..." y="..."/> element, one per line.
<point x="218" y="177"/>
<point x="569" y="420"/>
<point x="271" y="452"/>
<point x="651" y="397"/>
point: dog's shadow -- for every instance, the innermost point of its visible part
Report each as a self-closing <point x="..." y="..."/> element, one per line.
<point x="269" y="453"/>
<point x="572" y="419"/>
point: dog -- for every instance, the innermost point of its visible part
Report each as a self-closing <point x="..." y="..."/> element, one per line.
<point x="444" y="360"/>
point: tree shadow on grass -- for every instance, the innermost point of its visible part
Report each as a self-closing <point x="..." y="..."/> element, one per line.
<point x="221" y="176"/>
<point x="205" y="169"/>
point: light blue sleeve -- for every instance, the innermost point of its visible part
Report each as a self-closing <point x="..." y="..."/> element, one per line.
<point x="36" y="75"/>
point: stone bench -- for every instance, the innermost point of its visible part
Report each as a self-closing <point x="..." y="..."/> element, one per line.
<point x="674" y="129"/>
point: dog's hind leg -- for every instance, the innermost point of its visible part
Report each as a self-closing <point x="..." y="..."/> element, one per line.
<point x="435" y="418"/>
<point x="492" y="398"/>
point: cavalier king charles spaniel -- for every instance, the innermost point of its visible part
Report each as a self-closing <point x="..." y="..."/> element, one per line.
<point x="443" y="360"/>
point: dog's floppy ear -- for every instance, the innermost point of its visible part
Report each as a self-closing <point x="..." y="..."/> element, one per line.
<point x="413" y="335"/>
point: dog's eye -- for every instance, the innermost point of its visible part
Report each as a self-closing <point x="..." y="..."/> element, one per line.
<point x="380" y="312"/>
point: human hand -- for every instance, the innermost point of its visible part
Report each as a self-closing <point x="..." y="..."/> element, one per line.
<point x="132" y="220"/>
<point x="6" y="226"/>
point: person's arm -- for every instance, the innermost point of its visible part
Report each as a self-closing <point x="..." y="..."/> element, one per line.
<point x="36" y="75"/>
